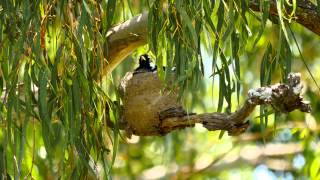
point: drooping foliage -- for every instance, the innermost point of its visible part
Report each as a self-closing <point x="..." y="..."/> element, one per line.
<point x="52" y="52"/>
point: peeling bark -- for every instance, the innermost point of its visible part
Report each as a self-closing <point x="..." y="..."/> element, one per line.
<point x="149" y="112"/>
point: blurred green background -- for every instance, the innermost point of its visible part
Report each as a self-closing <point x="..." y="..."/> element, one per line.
<point x="52" y="111"/>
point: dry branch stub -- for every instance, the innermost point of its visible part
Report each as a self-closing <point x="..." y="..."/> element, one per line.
<point x="149" y="109"/>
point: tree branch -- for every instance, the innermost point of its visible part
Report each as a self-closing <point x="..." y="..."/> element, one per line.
<point x="147" y="112"/>
<point x="282" y="97"/>
<point x="272" y="155"/>
<point x="126" y="37"/>
<point x="306" y="13"/>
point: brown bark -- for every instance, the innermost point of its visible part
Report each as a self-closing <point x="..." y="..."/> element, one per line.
<point x="306" y="13"/>
<point x="151" y="110"/>
<point x="126" y="37"/>
<point x="282" y="97"/>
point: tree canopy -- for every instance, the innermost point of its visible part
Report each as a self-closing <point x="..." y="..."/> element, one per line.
<point x="61" y="63"/>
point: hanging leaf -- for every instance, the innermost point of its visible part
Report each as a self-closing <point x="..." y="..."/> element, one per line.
<point x="44" y="112"/>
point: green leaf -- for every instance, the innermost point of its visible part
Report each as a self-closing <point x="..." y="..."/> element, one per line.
<point x="193" y="35"/>
<point x="221" y="134"/>
<point x="220" y="14"/>
<point x="282" y="24"/>
<point x="265" y="15"/>
<point x="28" y="92"/>
<point x="111" y="7"/>
<point x="231" y="25"/>
<point x="208" y="20"/>
<point x="315" y="168"/>
<point x="1" y="85"/>
<point x="222" y="90"/>
<point x="235" y="49"/>
<point x="86" y="7"/>
<point x="44" y="112"/>
<point x="263" y="120"/>
<point x="76" y="104"/>
<point x="265" y="67"/>
<point x="303" y="60"/>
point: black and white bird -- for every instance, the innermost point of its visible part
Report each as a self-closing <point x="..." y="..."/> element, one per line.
<point x="147" y="100"/>
<point x="144" y="65"/>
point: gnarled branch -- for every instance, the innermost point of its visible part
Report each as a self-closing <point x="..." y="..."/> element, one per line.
<point x="282" y="97"/>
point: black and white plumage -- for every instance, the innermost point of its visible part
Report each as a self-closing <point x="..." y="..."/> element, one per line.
<point x="144" y="65"/>
<point x="145" y="97"/>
